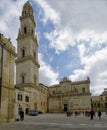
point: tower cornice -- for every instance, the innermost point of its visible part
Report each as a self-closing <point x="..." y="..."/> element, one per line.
<point x="27" y="58"/>
<point x="28" y="16"/>
<point x="21" y="86"/>
<point x="26" y="36"/>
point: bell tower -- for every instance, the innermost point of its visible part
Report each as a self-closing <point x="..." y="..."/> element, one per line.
<point x="28" y="24"/>
<point x="27" y="66"/>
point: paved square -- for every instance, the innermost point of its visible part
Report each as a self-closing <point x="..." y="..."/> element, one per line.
<point x="57" y="122"/>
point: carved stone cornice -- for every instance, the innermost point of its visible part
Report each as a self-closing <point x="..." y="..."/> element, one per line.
<point x="27" y="58"/>
<point x="25" y="85"/>
<point x="28" y="16"/>
<point x="69" y="94"/>
<point x="6" y="43"/>
<point x="22" y="37"/>
<point x="80" y="82"/>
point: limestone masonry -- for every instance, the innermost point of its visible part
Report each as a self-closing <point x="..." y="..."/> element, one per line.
<point x="28" y="93"/>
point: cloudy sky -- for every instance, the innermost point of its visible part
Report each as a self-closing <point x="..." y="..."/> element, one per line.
<point x="72" y="36"/>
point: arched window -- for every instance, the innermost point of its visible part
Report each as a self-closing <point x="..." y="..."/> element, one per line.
<point x="32" y="31"/>
<point x="35" y="80"/>
<point x="23" y="79"/>
<point x="25" y="30"/>
<point x="25" y="12"/>
<point x="23" y="53"/>
<point x="83" y="90"/>
<point x="34" y="55"/>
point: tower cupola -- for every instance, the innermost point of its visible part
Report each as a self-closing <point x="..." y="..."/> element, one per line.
<point x="27" y="22"/>
<point x="27" y="10"/>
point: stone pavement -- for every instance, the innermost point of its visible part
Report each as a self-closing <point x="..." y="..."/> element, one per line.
<point x="57" y="122"/>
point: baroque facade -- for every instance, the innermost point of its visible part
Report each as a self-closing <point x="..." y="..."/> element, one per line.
<point x="69" y="96"/>
<point x="100" y="102"/>
<point x="43" y="98"/>
<point x="7" y="58"/>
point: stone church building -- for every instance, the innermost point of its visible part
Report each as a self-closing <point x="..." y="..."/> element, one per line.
<point x="28" y="93"/>
<point x="69" y="96"/>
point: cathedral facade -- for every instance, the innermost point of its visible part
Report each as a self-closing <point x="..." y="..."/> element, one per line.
<point x="69" y="96"/>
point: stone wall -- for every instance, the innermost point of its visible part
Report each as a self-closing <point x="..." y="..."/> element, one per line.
<point x="7" y="83"/>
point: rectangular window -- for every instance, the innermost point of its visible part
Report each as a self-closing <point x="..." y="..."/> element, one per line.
<point x="20" y="97"/>
<point x="25" y="30"/>
<point x="35" y="80"/>
<point x="23" y="79"/>
<point x="101" y="98"/>
<point x="26" y="99"/>
<point x="23" y="53"/>
<point x="83" y="90"/>
<point x="53" y="92"/>
<point x="34" y="56"/>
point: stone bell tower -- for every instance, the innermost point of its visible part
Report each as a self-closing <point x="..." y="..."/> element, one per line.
<point x="27" y="66"/>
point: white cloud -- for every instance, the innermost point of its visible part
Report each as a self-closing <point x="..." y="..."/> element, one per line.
<point x="60" y="39"/>
<point x="9" y="23"/>
<point x="82" y="14"/>
<point x="50" y="14"/>
<point x="47" y="75"/>
<point x="82" y="20"/>
<point x="3" y="25"/>
<point x="92" y="37"/>
<point x="95" y="66"/>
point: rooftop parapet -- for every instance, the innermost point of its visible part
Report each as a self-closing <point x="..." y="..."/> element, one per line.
<point x="6" y="43"/>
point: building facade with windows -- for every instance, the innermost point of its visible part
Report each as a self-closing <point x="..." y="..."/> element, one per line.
<point x="43" y="98"/>
<point x="7" y="62"/>
<point x="69" y="96"/>
<point x="103" y="100"/>
<point x="100" y="102"/>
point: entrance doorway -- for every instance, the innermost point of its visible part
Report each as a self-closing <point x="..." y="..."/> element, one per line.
<point x="19" y="109"/>
<point x="65" y="107"/>
<point x="27" y="111"/>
